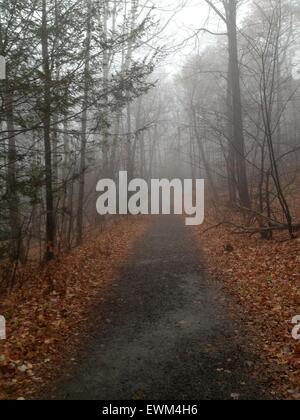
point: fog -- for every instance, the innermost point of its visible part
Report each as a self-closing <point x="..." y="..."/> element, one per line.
<point x="156" y="88"/>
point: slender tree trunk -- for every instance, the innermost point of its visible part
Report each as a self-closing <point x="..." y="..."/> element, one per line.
<point x="130" y="163"/>
<point x="55" y="136"/>
<point x="105" y="65"/>
<point x="238" y="130"/>
<point x="231" y="159"/>
<point x="115" y="144"/>
<point x="82" y="166"/>
<point x="130" y="168"/>
<point x="50" y="217"/>
<point x="16" y="251"/>
<point x="268" y="85"/>
<point x="207" y="168"/>
<point x="66" y="180"/>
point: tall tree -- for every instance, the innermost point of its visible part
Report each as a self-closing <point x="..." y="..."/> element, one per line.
<point x="50" y="215"/>
<point x="84" y="133"/>
<point x="229" y="17"/>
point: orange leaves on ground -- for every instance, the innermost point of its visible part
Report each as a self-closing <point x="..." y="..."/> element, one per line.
<point x="264" y="277"/>
<point x="47" y="315"/>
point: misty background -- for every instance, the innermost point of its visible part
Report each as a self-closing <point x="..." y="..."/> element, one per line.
<point x="197" y="89"/>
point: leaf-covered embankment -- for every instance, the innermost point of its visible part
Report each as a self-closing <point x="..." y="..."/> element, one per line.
<point x="264" y="278"/>
<point x="47" y="315"/>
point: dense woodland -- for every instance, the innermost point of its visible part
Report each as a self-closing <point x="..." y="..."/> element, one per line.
<point x="161" y="89"/>
<point x="87" y="95"/>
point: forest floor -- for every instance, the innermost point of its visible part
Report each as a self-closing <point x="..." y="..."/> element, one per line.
<point x="263" y="278"/>
<point x="47" y="314"/>
<point x="135" y="314"/>
<point x="164" y="331"/>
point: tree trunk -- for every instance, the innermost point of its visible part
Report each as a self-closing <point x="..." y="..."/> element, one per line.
<point x="106" y="59"/>
<point x="238" y="130"/>
<point x="16" y="251"/>
<point x="50" y="217"/>
<point x="231" y="157"/>
<point x="206" y="165"/>
<point x="82" y="166"/>
<point x="129" y="138"/>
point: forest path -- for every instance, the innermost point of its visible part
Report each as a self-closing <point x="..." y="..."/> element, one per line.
<point x="163" y="331"/>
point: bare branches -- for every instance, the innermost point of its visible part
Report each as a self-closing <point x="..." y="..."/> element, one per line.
<point x="219" y="13"/>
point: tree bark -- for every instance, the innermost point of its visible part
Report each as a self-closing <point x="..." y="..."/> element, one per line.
<point x="238" y="129"/>
<point x="16" y="251"/>
<point x="206" y="164"/>
<point x="231" y="157"/>
<point x="50" y="216"/>
<point x="82" y="166"/>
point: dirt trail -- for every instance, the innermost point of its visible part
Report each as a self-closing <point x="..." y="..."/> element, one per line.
<point x="163" y="331"/>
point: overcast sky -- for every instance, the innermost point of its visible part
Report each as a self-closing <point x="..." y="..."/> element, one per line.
<point x="184" y="18"/>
